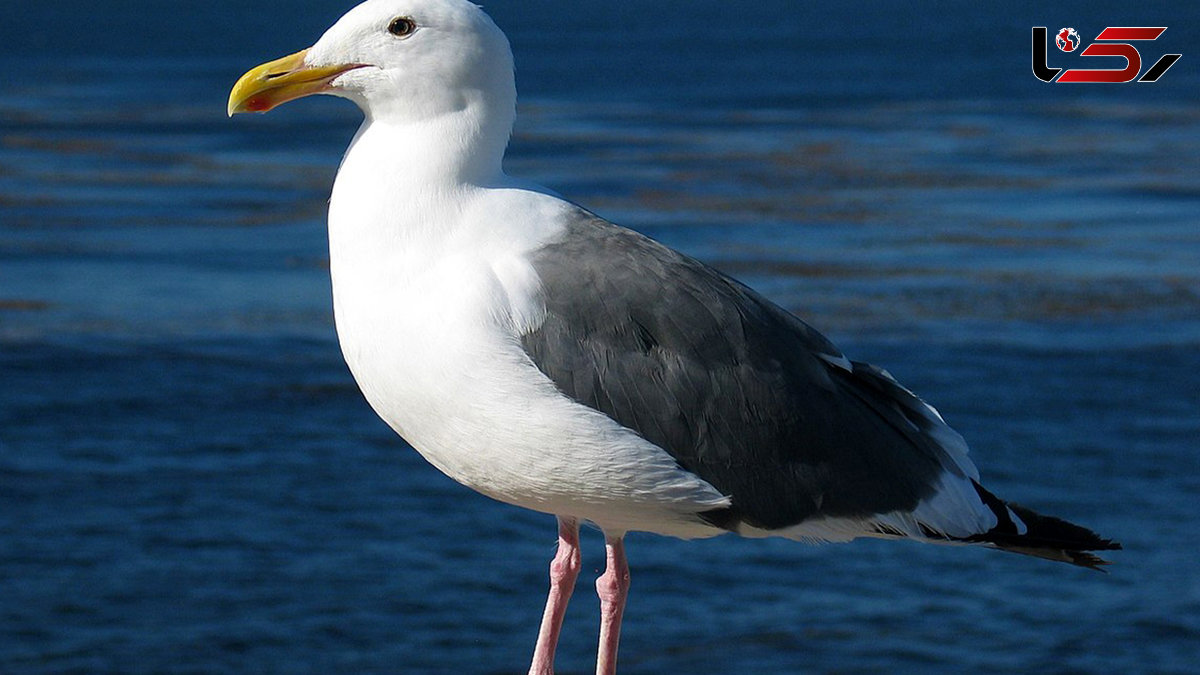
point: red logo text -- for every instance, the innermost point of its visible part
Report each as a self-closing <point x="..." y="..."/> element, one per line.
<point x="1112" y="41"/>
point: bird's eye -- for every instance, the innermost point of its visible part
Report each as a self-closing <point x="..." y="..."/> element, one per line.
<point x="402" y="26"/>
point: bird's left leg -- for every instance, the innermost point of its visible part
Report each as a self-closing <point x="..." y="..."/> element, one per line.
<point x="563" y="571"/>
<point x="612" y="587"/>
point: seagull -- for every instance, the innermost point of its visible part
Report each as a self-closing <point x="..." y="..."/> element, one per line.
<point x="552" y="360"/>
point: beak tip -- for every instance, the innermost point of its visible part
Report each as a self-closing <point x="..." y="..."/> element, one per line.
<point x="256" y="103"/>
<point x="270" y="84"/>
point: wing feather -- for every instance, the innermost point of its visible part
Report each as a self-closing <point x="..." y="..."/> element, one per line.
<point x="736" y="389"/>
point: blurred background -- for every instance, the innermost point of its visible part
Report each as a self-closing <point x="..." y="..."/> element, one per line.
<point x="191" y="483"/>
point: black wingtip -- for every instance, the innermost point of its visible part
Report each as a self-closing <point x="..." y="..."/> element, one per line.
<point x="1073" y="557"/>
<point x="1044" y="537"/>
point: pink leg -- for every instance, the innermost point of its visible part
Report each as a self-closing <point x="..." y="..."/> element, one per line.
<point x="612" y="587"/>
<point x="563" y="571"/>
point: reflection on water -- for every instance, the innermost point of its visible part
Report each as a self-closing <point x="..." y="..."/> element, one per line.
<point x="939" y="217"/>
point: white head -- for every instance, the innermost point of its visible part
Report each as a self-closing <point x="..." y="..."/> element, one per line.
<point x="423" y="58"/>
<point x="401" y="61"/>
<point x="438" y="73"/>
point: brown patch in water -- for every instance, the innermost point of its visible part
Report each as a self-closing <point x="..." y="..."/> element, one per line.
<point x="23" y="305"/>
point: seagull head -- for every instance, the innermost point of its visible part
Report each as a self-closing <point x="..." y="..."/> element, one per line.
<point x="400" y="60"/>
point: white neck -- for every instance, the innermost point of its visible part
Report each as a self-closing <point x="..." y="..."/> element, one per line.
<point x="401" y="174"/>
<point x="465" y="145"/>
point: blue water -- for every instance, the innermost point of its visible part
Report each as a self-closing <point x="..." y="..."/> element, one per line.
<point x="190" y="482"/>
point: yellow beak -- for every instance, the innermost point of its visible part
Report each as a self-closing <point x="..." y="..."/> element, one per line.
<point x="280" y="81"/>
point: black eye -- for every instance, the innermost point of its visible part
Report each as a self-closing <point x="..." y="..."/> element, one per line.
<point x="402" y="26"/>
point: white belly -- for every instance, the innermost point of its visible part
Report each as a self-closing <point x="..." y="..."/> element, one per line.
<point x="433" y="344"/>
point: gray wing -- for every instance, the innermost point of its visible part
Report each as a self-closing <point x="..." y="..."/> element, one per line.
<point x="739" y="391"/>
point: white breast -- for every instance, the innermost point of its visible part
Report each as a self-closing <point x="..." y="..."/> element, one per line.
<point x="430" y="304"/>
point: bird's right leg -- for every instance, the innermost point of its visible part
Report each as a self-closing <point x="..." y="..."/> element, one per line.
<point x="564" y="569"/>
<point x="613" y="588"/>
